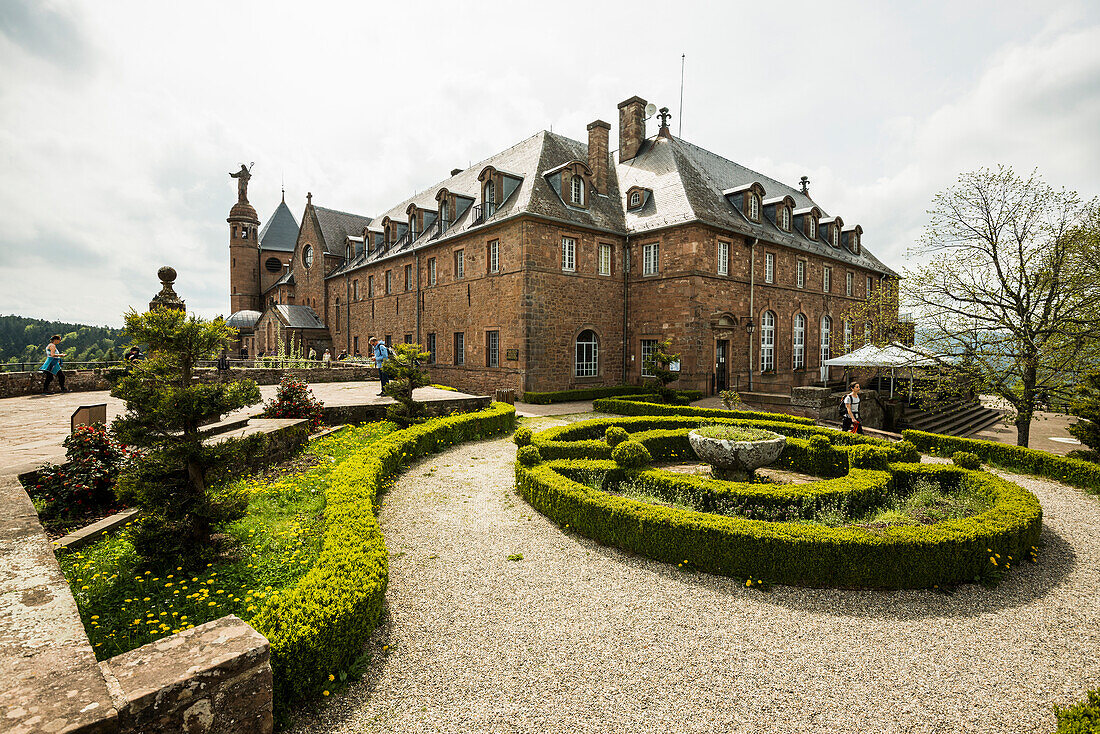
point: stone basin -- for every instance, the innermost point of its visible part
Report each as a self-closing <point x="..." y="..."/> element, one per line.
<point x="736" y="460"/>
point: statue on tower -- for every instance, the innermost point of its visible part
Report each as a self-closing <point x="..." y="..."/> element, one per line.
<point x="242" y="177"/>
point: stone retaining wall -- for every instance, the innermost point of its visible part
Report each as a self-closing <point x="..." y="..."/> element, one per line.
<point x="337" y="414"/>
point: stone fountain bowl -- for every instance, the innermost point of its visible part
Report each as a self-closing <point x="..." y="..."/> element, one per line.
<point x="736" y="460"/>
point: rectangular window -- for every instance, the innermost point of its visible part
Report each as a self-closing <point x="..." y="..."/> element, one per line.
<point x="408" y="277"/>
<point x="355" y="347"/>
<point x="460" y="264"/>
<point x="338" y="314"/>
<point x="389" y="282"/>
<point x="389" y="340"/>
<point x="723" y="258"/>
<point x="649" y="348"/>
<point x="769" y="268"/>
<point x="408" y="338"/>
<point x="460" y="348"/>
<point x="492" y="349"/>
<point x="355" y="290"/>
<point x="431" y="348"/>
<point x="568" y="254"/>
<point x="370" y="286"/>
<point x="493" y="256"/>
<point x="827" y="279"/>
<point x="870" y="286"/>
<point x="651" y="254"/>
<point x="848" y="284"/>
<point x="431" y="271"/>
<point x="605" y="259"/>
<point x="801" y="273"/>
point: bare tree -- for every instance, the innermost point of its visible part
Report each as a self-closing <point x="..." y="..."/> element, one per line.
<point x="1012" y="280"/>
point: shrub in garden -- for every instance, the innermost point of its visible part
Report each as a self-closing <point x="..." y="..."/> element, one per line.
<point x="1080" y="718"/>
<point x="817" y="443"/>
<point x="631" y="455"/>
<point x="528" y="455"/>
<point x="294" y="399"/>
<point x="164" y="411"/>
<point x="1087" y="408"/>
<point x="406" y="374"/>
<point x="615" y="435"/>
<point x="86" y="483"/>
<point x="522" y="436"/>
<point x="966" y="460"/>
<point x="730" y="399"/>
<point x="867" y="457"/>
<point x="658" y="365"/>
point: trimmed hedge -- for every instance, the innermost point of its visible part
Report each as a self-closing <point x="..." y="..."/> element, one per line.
<point x="951" y="551"/>
<point x="1081" y="474"/>
<point x="633" y="407"/>
<point x="319" y="627"/>
<point x="591" y="393"/>
<point x="1082" y="717"/>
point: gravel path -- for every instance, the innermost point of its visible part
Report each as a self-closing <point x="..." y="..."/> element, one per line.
<point x="582" y="638"/>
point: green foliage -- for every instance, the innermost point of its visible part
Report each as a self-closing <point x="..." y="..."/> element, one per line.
<point x="24" y="339"/>
<point x="1082" y="474"/>
<point x="1080" y="718"/>
<point x="320" y="625"/>
<point x="632" y="407"/>
<point x="294" y="399"/>
<point x="615" y="435"/>
<point x="85" y="485"/>
<point x="528" y="455"/>
<point x="522" y="436"/>
<point x="658" y="365"/>
<point x="966" y="460"/>
<point x="734" y="433"/>
<point x="631" y="455"/>
<point x="902" y="556"/>
<point x="1087" y="408"/>
<point x="164" y="412"/>
<point x="406" y="374"/>
<point x="730" y="399"/>
<point x="867" y="457"/>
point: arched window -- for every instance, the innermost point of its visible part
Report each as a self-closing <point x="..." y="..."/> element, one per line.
<point x="307" y="256"/>
<point x="635" y="199"/>
<point x="786" y="219"/>
<point x="767" y="342"/>
<point x="798" y="342"/>
<point x="813" y="228"/>
<point x="754" y="207"/>
<point x="443" y="211"/>
<point x="586" y="362"/>
<point x="826" y="351"/>
<point x="836" y="236"/>
<point x="576" y="186"/>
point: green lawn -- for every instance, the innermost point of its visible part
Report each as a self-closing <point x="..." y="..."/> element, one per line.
<point x="124" y="607"/>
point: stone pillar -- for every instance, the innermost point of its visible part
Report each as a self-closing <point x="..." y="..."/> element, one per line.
<point x="598" y="133"/>
<point x="167" y="298"/>
<point x="631" y="127"/>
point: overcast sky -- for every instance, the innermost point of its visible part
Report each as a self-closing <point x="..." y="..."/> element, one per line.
<point x="119" y="123"/>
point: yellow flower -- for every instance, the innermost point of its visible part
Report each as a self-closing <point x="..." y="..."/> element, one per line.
<point x="326" y="693"/>
<point x="331" y="677"/>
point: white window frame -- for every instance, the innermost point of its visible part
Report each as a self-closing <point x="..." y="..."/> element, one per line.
<point x="649" y="346"/>
<point x="569" y="254"/>
<point x="576" y="190"/>
<point x="389" y="282"/>
<point x="586" y="355"/>
<point x="494" y="256"/>
<point x="754" y="207"/>
<point x="651" y="256"/>
<point x="798" y="342"/>
<point x="635" y="199"/>
<point x="827" y="280"/>
<point x="431" y="271"/>
<point x="723" y="258"/>
<point x="307" y="256"/>
<point x="836" y="235"/>
<point x="870" y="285"/>
<point x="769" y="267"/>
<point x="409" y="284"/>
<point x="786" y="219"/>
<point x="767" y="342"/>
<point x="849" y="283"/>
<point x="847" y="337"/>
<point x="813" y="227"/>
<point x="826" y="347"/>
<point x="460" y="348"/>
<point x="801" y="274"/>
<point x="460" y="264"/>
<point x="605" y="259"/>
<point x="492" y="349"/>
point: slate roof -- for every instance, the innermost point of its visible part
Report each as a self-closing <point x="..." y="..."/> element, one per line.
<point x="280" y="232"/>
<point x="298" y="317"/>
<point x="244" y="319"/>
<point x="336" y="225"/>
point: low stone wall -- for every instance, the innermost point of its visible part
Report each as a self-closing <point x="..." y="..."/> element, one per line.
<point x="822" y="403"/>
<point x="337" y="414"/>
<point x="17" y="384"/>
<point x="213" y="679"/>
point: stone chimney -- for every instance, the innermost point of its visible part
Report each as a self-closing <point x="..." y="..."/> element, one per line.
<point x="631" y="127"/>
<point x="598" y="133"/>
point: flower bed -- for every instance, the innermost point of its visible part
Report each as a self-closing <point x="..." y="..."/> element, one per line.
<point x="1075" y="472"/>
<point x="904" y="556"/>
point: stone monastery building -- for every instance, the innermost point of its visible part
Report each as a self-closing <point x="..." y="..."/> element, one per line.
<point x="558" y="264"/>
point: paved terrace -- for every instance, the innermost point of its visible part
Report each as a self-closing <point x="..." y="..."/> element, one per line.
<point x="33" y="427"/>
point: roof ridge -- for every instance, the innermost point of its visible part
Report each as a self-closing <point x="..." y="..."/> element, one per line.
<point x="341" y="211"/>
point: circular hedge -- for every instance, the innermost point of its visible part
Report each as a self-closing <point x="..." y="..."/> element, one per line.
<point x="854" y="473"/>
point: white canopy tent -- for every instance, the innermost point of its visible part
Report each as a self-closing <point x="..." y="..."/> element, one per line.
<point x="893" y="356"/>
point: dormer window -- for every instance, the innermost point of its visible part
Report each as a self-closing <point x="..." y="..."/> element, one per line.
<point x="489" y="194"/>
<point x="813" y="228"/>
<point x="786" y="219"/>
<point x="836" y="236"/>
<point x="754" y="207"/>
<point x="635" y="200"/>
<point x="576" y="190"/>
<point x="443" y="213"/>
<point x="347" y="253"/>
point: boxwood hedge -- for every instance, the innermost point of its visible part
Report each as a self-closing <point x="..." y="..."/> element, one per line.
<point x="1082" y="474"/>
<point x="634" y="406"/>
<point x="946" y="552"/>
<point x="319" y="626"/>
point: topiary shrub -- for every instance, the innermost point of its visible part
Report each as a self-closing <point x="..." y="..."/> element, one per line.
<point x="966" y="460"/>
<point x="817" y="443"/>
<point x="528" y="455"/>
<point x="867" y="457"/>
<point x="909" y="449"/>
<point x="522" y="436"/>
<point x="615" y="435"/>
<point x="631" y="455"/>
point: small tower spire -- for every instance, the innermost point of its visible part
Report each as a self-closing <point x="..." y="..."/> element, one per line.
<point x="804" y="184"/>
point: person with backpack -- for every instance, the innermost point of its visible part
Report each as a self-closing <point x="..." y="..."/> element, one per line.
<point x="849" y="418"/>
<point x="381" y="354"/>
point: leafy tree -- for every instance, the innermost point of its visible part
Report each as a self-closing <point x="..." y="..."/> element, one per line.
<point x="1087" y="408"/>
<point x="658" y="366"/>
<point x="164" y="410"/>
<point x="1008" y="277"/>
<point x="406" y="375"/>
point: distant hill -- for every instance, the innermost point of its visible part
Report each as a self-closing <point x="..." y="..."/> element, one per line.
<point x="24" y="339"/>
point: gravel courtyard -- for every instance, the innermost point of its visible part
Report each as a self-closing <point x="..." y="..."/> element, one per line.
<point x="578" y="637"/>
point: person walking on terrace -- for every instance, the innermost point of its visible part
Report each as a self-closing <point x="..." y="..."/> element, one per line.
<point x="851" y="411"/>
<point x="52" y="365"/>
<point x="381" y="354"/>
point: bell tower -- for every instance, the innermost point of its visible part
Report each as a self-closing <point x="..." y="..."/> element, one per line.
<point x="244" y="248"/>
